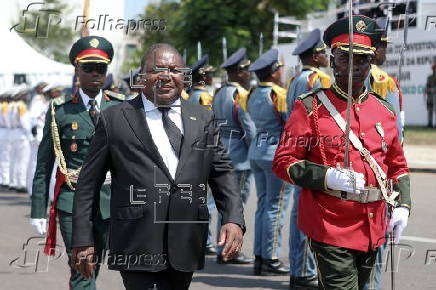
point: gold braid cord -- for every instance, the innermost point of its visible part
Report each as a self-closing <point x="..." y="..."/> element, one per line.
<point x="62" y="164"/>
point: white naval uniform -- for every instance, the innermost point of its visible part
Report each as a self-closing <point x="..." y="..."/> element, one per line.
<point x="37" y="111"/>
<point x="13" y="133"/>
<point x="3" y="133"/>
<point x="5" y="156"/>
<point x="21" y="148"/>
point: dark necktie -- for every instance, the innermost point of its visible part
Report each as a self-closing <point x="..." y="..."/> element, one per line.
<point x="174" y="134"/>
<point x="93" y="113"/>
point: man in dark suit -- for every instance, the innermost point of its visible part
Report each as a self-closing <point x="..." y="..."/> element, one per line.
<point x="161" y="152"/>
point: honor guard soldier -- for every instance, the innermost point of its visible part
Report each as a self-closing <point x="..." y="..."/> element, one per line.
<point x="236" y="127"/>
<point x="7" y="147"/>
<point x="268" y="110"/>
<point x="381" y="83"/>
<point x="4" y="140"/>
<point x="201" y="81"/>
<point x="431" y="95"/>
<point x="342" y="210"/>
<point x="387" y="87"/>
<point x="312" y="54"/>
<point x="131" y="80"/>
<point x="202" y="73"/>
<point x="16" y="109"/>
<point x="37" y="111"/>
<point x="67" y="134"/>
<point x="23" y="136"/>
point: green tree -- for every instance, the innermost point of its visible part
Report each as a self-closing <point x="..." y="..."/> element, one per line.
<point x="147" y="38"/>
<point x="207" y="21"/>
<point x="44" y="28"/>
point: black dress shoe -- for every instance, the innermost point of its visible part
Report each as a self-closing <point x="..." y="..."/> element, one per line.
<point x="257" y="271"/>
<point x="274" y="267"/>
<point x="308" y="283"/>
<point x="240" y="259"/>
<point x="210" y="250"/>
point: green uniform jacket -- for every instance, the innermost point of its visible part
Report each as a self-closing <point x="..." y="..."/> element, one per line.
<point x="75" y="131"/>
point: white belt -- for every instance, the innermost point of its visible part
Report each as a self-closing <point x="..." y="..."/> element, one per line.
<point x="368" y="194"/>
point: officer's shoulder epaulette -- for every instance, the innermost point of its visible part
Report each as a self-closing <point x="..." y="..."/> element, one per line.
<point x="243" y="96"/>
<point x="307" y="99"/>
<point x="184" y="95"/>
<point x="115" y="96"/>
<point x="59" y="101"/>
<point x="384" y="102"/>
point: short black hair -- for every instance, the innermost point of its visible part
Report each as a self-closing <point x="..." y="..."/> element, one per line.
<point x="305" y="56"/>
<point x="152" y="49"/>
<point x="263" y="74"/>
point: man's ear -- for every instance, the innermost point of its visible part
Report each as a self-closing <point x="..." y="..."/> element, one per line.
<point x="315" y="58"/>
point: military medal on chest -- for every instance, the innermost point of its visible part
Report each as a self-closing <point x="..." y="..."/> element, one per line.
<point x="73" y="146"/>
<point x="381" y="132"/>
<point x="74" y="126"/>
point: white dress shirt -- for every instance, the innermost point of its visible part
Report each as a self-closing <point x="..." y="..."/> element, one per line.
<point x="160" y="137"/>
<point x="86" y="98"/>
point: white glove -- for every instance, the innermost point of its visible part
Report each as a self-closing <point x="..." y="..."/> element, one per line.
<point x="39" y="225"/>
<point x="398" y="222"/>
<point x="402" y="119"/>
<point x="340" y="179"/>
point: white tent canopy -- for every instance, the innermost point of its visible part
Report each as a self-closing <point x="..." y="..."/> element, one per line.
<point x="17" y="57"/>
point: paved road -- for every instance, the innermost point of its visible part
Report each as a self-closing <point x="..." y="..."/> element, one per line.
<point x="413" y="272"/>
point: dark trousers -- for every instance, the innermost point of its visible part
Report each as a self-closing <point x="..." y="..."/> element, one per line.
<point x="342" y="268"/>
<point x="168" y="279"/>
<point x="101" y="234"/>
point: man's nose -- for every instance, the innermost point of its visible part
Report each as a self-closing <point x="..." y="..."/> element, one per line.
<point x="164" y="75"/>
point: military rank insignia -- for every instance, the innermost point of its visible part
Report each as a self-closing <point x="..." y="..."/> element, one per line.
<point x="381" y="132"/>
<point x="74" y="126"/>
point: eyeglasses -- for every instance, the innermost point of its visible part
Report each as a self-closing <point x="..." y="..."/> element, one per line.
<point x="89" y="67"/>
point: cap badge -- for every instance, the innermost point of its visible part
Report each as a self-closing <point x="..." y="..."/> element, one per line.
<point x="94" y="42"/>
<point x="360" y="26"/>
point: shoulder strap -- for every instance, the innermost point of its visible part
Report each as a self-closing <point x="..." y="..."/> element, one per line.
<point x="378" y="171"/>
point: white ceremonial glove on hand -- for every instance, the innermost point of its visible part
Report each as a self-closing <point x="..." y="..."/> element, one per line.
<point x="402" y="119"/>
<point x="398" y="222"/>
<point x="39" y="225"/>
<point x="341" y="179"/>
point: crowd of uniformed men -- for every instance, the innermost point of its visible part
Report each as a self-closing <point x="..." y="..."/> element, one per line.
<point x="253" y="121"/>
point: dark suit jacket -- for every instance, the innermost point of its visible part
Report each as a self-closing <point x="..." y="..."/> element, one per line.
<point x="155" y="220"/>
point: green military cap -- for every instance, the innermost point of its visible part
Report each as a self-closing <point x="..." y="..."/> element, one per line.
<point x="365" y="35"/>
<point x="91" y="49"/>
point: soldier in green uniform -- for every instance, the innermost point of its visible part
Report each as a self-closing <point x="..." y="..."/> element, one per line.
<point x="67" y="134"/>
<point x="431" y="95"/>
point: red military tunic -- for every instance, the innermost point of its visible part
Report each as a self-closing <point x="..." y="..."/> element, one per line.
<point x="298" y="160"/>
